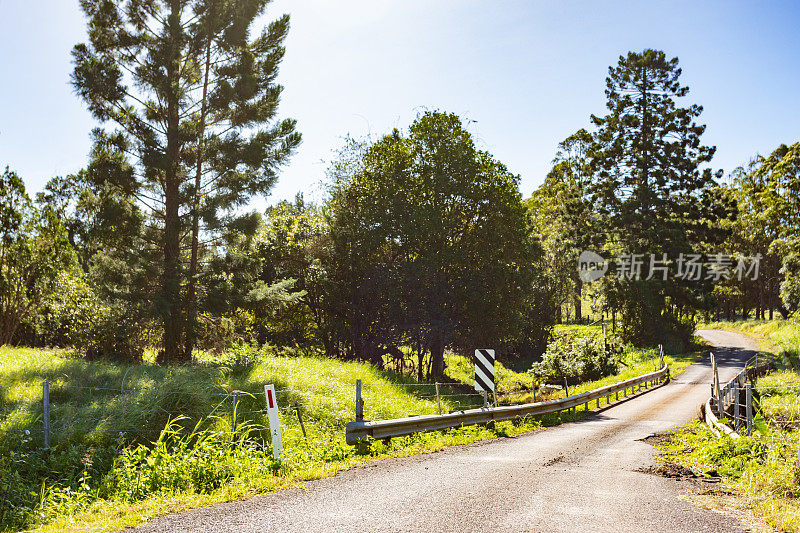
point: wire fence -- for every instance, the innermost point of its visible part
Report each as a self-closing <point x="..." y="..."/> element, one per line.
<point x="113" y="410"/>
<point x="777" y="435"/>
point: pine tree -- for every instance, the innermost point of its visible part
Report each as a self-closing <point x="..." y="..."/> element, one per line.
<point x="649" y="182"/>
<point x="193" y="99"/>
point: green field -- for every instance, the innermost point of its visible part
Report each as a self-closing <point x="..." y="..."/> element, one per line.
<point x="101" y="412"/>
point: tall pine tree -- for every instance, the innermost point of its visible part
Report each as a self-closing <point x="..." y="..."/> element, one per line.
<point x="192" y="98"/>
<point x="649" y="184"/>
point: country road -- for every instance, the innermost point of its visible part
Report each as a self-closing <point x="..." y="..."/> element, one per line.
<point x="581" y="476"/>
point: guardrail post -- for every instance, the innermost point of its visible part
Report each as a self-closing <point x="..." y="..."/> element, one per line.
<point x="359" y="403"/>
<point x="46" y="407"/>
<point x="438" y="402"/>
<point x="749" y="406"/>
<point x="485" y="399"/>
<point x="736" y="400"/>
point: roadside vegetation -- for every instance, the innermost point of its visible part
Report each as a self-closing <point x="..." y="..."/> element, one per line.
<point x="134" y="441"/>
<point x="762" y="471"/>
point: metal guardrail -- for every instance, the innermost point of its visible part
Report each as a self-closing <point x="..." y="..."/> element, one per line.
<point x="359" y="431"/>
<point x="728" y="396"/>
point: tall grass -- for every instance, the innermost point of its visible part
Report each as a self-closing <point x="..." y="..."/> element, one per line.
<point x="130" y="442"/>
<point x="111" y="421"/>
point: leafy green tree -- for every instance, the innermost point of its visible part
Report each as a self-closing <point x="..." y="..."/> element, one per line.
<point x="767" y="191"/>
<point x="564" y="219"/>
<point x="650" y="187"/>
<point x="236" y="285"/>
<point x="293" y="244"/>
<point x="193" y="99"/>
<point x="33" y="250"/>
<point x="430" y="243"/>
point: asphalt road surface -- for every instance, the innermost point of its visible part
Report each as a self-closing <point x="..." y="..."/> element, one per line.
<point x="581" y="476"/>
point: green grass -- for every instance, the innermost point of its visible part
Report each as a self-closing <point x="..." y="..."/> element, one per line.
<point x="98" y="408"/>
<point x="103" y="411"/>
<point x="760" y="470"/>
<point x="773" y="335"/>
<point x="506" y="380"/>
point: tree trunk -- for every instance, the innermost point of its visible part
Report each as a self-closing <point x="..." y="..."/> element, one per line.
<point x="191" y="291"/>
<point x="437" y="355"/>
<point x="772" y="293"/>
<point x="171" y="293"/>
<point x="577" y="298"/>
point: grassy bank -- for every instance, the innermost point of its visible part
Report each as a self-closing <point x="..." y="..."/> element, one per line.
<point x="760" y="471"/>
<point x="773" y="335"/>
<point x="112" y="464"/>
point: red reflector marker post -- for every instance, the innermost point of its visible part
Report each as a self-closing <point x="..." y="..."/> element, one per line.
<point x="274" y="421"/>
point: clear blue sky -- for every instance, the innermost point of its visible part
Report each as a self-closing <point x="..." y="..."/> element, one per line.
<point x="528" y="73"/>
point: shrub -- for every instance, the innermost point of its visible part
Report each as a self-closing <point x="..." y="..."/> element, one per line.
<point x="581" y="358"/>
<point x="198" y="462"/>
<point x="117" y="336"/>
<point x="69" y="313"/>
<point x="218" y="334"/>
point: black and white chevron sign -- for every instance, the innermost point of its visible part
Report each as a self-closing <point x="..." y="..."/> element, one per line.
<point x="484" y="370"/>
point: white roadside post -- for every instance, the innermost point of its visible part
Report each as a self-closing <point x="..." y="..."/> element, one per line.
<point x="274" y="422"/>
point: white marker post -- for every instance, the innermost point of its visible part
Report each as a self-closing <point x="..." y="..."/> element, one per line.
<point x="274" y="421"/>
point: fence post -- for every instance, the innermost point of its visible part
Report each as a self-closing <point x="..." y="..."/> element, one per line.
<point x="300" y="419"/>
<point x="749" y="406"/>
<point x="46" y="406"/>
<point x="438" y="402"/>
<point x="736" y="399"/>
<point x="715" y="378"/>
<point x="233" y="413"/>
<point x="359" y="403"/>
